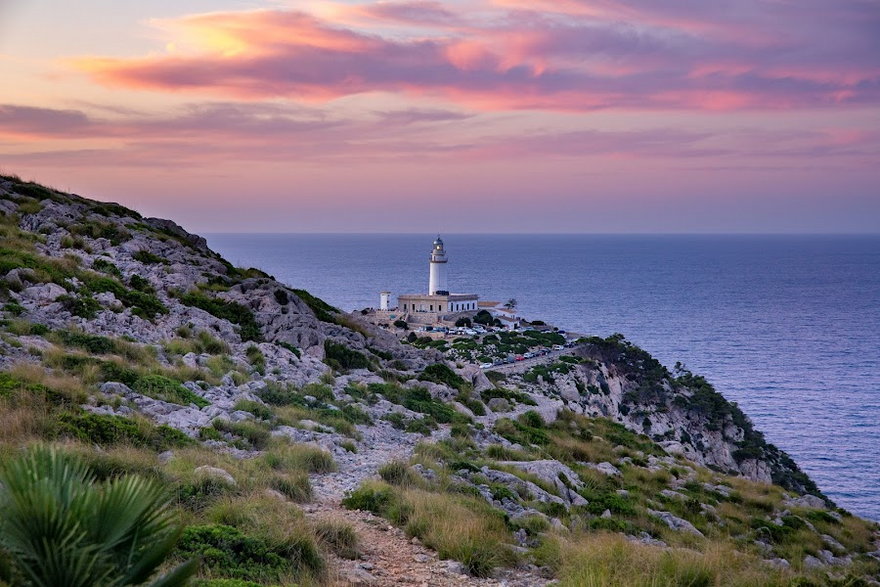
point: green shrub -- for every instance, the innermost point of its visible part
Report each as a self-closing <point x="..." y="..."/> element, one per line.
<point x="249" y="328"/>
<point x="105" y="266"/>
<point x="99" y="345"/>
<point x="257" y="359"/>
<point x="290" y="347"/>
<point x="105" y="430"/>
<point x="257" y="436"/>
<point x="277" y="394"/>
<point x="369" y="497"/>
<point x="440" y="373"/>
<point x="140" y="283"/>
<point x="259" y="410"/>
<point x="227" y="551"/>
<point x="13" y="308"/>
<point x="342" y="358"/>
<point x="97" y="229"/>
<point x="323" y="311"/>
<point x="83" y="306"/>
<point x="223" y="583"/>
<point x="147" y="257"/>
<point x="160" y="387"/>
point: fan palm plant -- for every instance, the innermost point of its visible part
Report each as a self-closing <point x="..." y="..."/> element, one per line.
<point x="60" y="526"/>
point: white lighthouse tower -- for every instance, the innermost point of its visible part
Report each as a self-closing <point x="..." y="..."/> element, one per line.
<point x="437" y="275"/>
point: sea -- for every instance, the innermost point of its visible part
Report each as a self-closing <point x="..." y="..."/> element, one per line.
<point x="786" y="326"/>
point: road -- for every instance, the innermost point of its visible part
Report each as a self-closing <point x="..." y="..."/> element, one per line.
<point x="525" y="365"/>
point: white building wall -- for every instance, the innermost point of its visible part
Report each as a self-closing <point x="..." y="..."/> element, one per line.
<point x="437" y="278"/>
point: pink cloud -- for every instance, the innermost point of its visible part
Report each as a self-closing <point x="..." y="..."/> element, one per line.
<point x="518" y="60"/>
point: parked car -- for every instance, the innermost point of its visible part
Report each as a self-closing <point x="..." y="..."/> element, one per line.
<point x="519" y="358"/>
<point x="558" y="347"/>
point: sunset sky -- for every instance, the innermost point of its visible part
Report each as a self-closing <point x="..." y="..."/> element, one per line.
<point x="453" y="116"/>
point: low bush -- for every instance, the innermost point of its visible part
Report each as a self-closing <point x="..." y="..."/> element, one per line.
<point x="106" y="266"/>
<point x="257" y="359"/>
<point x="148" y="258"/>
<point x="323" y="311"/>
<point x="165" y="389"/>
<point x="261" y="411"/>
<point x="370" y="496"/>
<point x="106" y="430"/>
<point x="342" y="358"/>
<point x="255" y="435"/>
<point x="249" y="328"/>
<point x="229" y="552"/>
<point x="440" y="373"/>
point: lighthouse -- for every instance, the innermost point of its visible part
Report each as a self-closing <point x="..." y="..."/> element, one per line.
<point x="438" y="303"/>
<point x="437" y="273"/>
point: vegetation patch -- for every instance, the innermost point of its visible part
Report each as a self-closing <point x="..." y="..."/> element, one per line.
<point x="108" y="430"/>
<point x="249" y="328"/>
<point x="343" y="358"/>
<point x="165" y="389"/>
<point x="323" y="311"/>
<point x="229" y="552"/>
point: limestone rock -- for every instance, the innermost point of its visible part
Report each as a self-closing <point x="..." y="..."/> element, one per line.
<point x="675" y="522"/>
<point x="216" y="473"/>
<point x="46" y="292"/>
<point x="806" y="501"/>
<point x="498" y="405"/>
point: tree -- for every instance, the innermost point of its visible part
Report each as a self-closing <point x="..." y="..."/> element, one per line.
<point x="511" y="304"/>
<point x="60" y="526"/>
<point x="463" y="322"/>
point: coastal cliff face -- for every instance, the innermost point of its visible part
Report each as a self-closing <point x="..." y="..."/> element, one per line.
<point x="111" y="318"/>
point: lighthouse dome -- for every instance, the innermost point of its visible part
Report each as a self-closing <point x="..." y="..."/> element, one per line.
<point x="438" y="242"/>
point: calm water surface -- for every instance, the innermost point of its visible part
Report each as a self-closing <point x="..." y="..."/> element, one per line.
<point x="787" y="326"/>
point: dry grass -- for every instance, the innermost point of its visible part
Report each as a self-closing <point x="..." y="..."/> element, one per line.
<point x="568" y="448"/>
<point x="457" y="527"/>
<point x="303" y="458"/>
<point x="600" y="560"/>
<point x="70" y="386"/>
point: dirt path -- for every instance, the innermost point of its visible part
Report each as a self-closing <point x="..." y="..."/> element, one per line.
<point x="389" y="558"/>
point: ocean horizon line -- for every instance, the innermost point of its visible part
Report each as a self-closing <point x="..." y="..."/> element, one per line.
<point x="601" y="234"/>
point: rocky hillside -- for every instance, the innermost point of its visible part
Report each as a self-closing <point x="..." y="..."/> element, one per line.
<point x="132" y="344"/>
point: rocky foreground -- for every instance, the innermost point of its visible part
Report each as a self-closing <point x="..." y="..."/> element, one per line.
<point x="127" y="340"/>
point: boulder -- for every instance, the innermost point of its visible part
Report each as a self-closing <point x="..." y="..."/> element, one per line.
<point x="553" y="472"/>
<point x="675" y="522"/>
<point x="45" y="292"/>
<point x="499" y="405"/>
<point x="216" y="473"/>
<point x="806" y="501"/>
<point x="606" y="468"/>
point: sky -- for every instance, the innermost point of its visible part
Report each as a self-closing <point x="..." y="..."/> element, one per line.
<point x="601" y="116"/>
